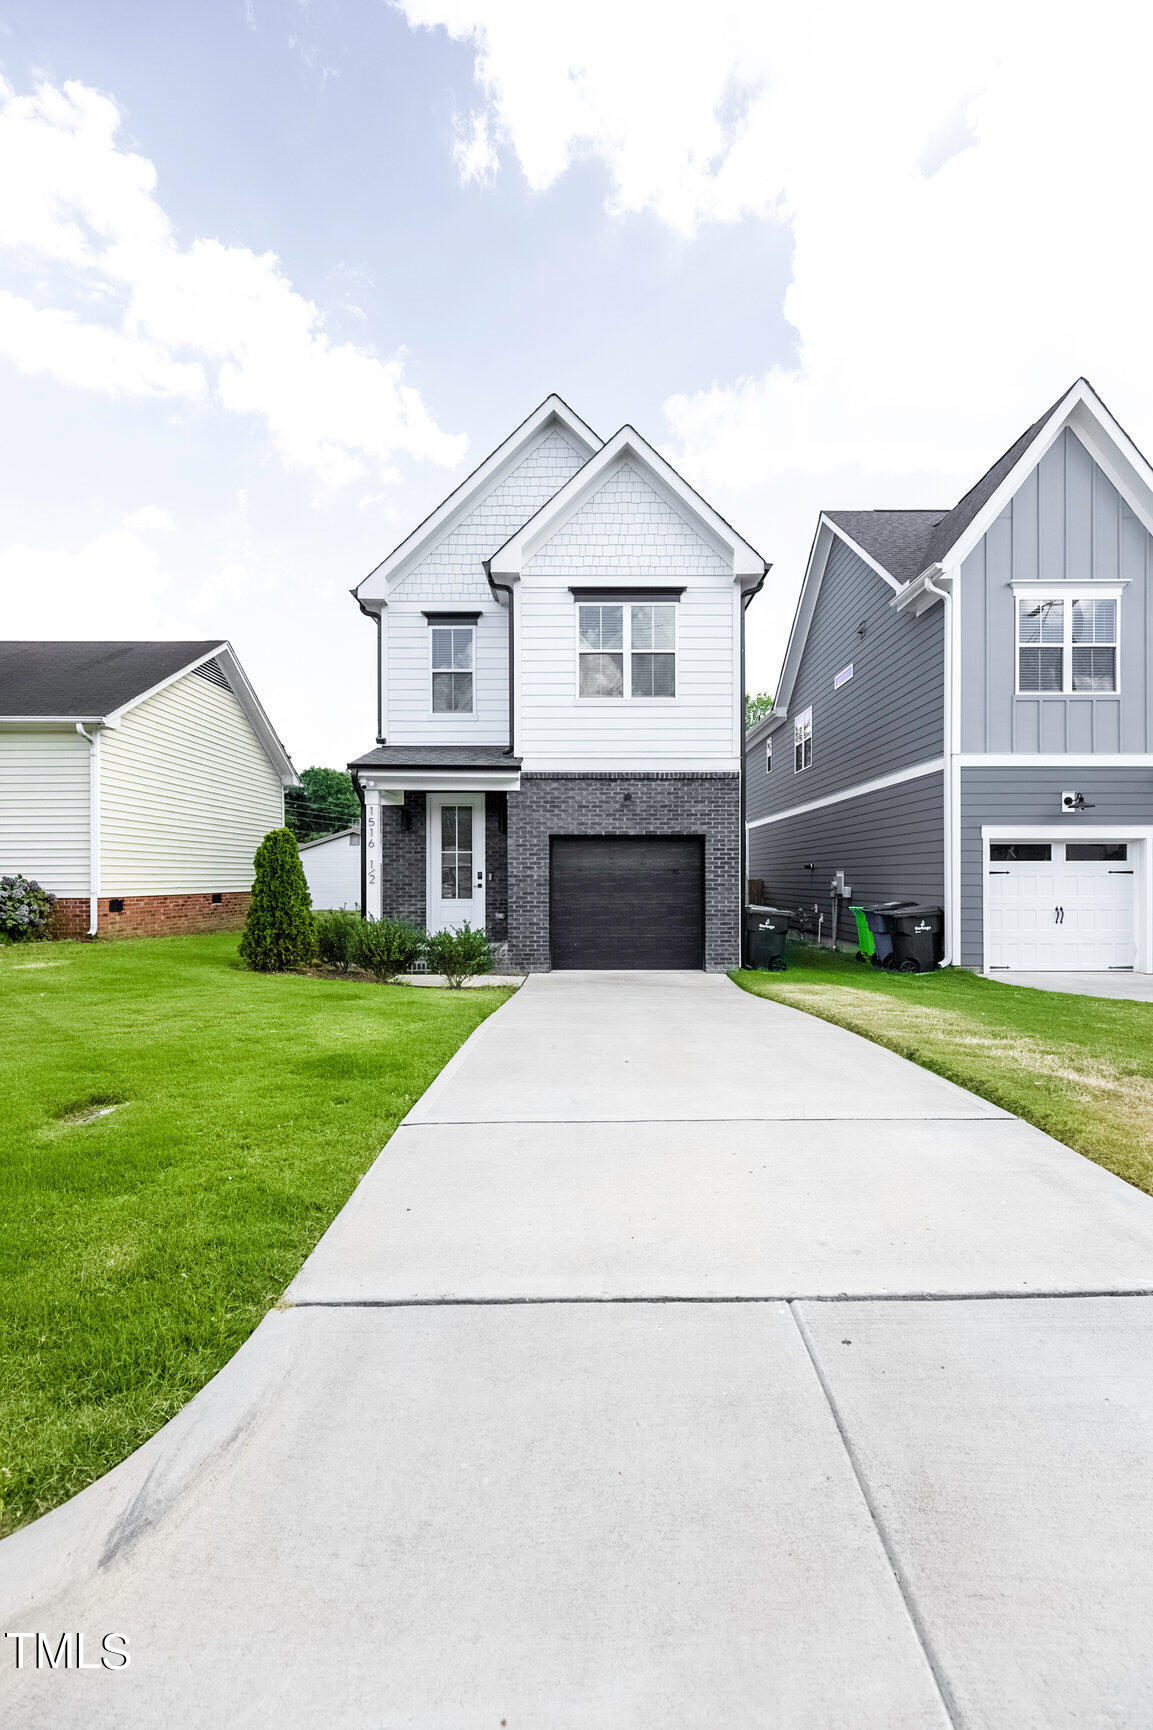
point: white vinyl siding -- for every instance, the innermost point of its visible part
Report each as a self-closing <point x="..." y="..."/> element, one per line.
<point x="409" y="717"/>
<point x="332" y="872"/>
<point x="44" y="807"/>
<point x="556" y="726"/>
<point x="187" y="794"/>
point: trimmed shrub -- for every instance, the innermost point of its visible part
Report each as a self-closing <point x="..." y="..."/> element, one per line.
<point x="25" y="909"/>
<point x="337" y="935"/>
<point x="278" y="933"/>
<point x="386" y="947"/>
<point x="458" y="955"/>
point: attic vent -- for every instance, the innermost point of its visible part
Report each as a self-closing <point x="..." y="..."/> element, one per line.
<point x="214" y="673"/>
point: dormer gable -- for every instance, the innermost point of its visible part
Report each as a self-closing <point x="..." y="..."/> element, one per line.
<point x="628" y="513"/>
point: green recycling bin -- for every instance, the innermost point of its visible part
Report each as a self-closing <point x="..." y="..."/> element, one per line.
<point x="766" y="931"/>
<point x="865" y="946"/>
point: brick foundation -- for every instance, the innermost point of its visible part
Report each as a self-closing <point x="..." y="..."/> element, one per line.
<point x="153" y="915"/>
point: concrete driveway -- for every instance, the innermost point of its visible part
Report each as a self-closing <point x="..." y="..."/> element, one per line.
<point x="682" y="1361"/>
<point x="1135" y="987"/>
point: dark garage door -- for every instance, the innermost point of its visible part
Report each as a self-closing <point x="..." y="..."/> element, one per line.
<point x="627" y="901"/>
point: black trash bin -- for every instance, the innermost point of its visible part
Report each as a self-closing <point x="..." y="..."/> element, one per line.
<point x="880" y="922"/>
<point x="917" y="938"/>
<point x="766" y="929"/>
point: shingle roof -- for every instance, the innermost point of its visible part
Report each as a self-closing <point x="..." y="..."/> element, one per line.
<point x="87" y="680"/>
<point x="952" y="526"/>
<point x="896" y="539"/>
<point x="436" y="757"/>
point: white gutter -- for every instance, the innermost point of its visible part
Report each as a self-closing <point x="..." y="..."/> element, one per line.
<point x="951" y="817"/>
<point x="93" y="826"/>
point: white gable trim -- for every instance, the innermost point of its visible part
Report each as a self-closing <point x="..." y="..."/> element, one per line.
<point x="552" y="413"/>
<point x="245" y="696"/>
<point x="1082" y="410"/>
<point x="866" y="558"/>
<point x="627" y="446"/>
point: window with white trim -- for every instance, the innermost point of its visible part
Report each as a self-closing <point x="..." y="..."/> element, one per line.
<point x="452" y="655"/>
<point x="803" y="742"/>
<point x="613" y="636"/>
<point x="769" y="758"/>
<point x="1066" y="643"/>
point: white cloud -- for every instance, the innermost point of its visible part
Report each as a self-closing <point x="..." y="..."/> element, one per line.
<point x="149" y="520"/>
<point x="157" y="318"/>
<point x="113" y="586"/>
<point x="966" y="193"/>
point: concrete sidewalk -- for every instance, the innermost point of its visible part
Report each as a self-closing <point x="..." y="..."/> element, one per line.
<point x="499" y="1462"/>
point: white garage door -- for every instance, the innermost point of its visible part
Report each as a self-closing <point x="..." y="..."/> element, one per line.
<point x="1060" y="904"/>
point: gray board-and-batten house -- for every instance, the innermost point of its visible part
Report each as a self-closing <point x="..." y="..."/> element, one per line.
<point x="965" y="715"/>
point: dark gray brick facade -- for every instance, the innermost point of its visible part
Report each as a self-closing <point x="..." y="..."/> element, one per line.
<point x="622" y="804"/>
<point x="517" y="831"/>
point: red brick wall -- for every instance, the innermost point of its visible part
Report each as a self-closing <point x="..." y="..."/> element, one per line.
<point x="154" y="915"/>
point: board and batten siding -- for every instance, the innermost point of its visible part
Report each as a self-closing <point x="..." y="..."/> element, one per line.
<point x="556" y="728"/>
<point x="1004" y="795"/>
<point x="889" y="844"/>
<point x="45" y="807"/>
<point x="1066" y="524"/>
<point x="187" y="794"/>
<point x="409" y="719"/>
<point x="888" y="716"/>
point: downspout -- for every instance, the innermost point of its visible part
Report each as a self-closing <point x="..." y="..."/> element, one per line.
<point x="369" y="614"/>
<point x="506" y="588"/>
<point x="952" y="913"/>
<point x="93" y="826"/>
<point x="746" y="599"/>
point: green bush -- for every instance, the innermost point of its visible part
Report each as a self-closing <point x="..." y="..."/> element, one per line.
<point x="459" y="954"/>
<point x="279" y="931"/>
<point x="386" y="947"/>
<point x="337" y="935"/>
<point x="25" y="909"/>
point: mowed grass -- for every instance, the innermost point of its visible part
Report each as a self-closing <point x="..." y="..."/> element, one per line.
<point x="142" y="1247"/>
<point x="1080" y="1068"/>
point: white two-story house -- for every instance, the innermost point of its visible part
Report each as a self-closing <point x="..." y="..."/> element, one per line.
<point x="560" y="709"/>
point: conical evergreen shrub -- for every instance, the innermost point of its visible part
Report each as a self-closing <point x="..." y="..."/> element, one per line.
<point x="278" y="933"/>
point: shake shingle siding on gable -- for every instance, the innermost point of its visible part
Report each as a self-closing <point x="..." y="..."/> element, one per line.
<point x="626" y="528"/>
<point x="888" y="716"/>
<point x="452" y="571"/>
<point x="1067" y="523"/>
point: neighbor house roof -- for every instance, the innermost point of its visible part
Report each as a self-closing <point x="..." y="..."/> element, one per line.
<point x="895" y="539"/>
<point x="436" y="757"/>
<point x="98" y="682"/>
<point x="88" y="681"/>
<point x="319" y="840"/>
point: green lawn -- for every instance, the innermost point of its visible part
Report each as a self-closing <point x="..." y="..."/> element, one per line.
<point x="141" y="1249"/>
<point x="1080" y="1068"/>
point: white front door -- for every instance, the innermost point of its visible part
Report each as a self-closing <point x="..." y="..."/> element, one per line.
<point x="1061" y="905"/>
<point x="455" y="861"/>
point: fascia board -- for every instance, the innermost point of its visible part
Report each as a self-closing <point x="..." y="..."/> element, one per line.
<point x="245" y="696"/>
<point x="803" y="616"/>
<point x="52" y="721"/>
<point x="625" y="445"/>
<point x="1118" y="458"/>
<point x="971" y="536"/>
<point x="440" y="780"/>
<point x="471" y="491"/>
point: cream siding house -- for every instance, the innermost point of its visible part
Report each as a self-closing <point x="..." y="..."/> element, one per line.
<point x="140" y="791"/>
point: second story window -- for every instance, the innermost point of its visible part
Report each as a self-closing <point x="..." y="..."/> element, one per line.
<point x="453" y="648"/>
<point x="803" y="742"/>
<point x="627" y="650"/>
<point x="769" y="758"/>
<point x="1066" y="643"/>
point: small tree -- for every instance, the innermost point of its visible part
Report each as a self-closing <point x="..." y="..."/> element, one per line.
<point x="386" y="947"/>
<point x="458" y="955"/>
<point x="279" y="932"/>
<point x="757" y="705"/>
<point x="337" y="935"/>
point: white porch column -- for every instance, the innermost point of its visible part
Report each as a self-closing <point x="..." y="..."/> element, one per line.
<point x="373" y="886"/>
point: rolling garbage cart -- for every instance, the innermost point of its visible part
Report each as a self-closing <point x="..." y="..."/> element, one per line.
<point x="917" y="938"/>
<point x="766" y="929"/>
<point x="865" y="947"/>
<point x="879" y="921"/>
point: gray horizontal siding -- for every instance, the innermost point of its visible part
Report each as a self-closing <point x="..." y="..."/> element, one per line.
<point x="1066" y="523"/>
<point x="887" y="717"/>
<point x="1031" y="795"/>
<point x="889" y="844"/>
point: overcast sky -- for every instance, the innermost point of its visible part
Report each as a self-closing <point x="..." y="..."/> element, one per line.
<point x="274" y="275"/>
